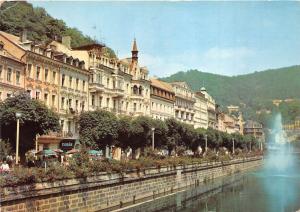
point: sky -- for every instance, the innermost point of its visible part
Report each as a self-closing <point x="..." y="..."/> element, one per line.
<point x="228" y="38"/>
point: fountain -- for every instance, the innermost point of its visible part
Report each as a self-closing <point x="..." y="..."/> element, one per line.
<point x="279" y="158"/>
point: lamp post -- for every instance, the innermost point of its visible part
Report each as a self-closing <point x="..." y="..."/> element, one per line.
<point x="232" y="145"/>
<point x="152" y="129"/>
<point x="18" y="116"/>
<point x="205" y="143"/>
<point x="36" y="143"/>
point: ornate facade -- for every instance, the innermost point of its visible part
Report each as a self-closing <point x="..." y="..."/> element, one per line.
<point x="53" y="77"/>
<point x="184" y="103"/>
<point x="211" y="109"/>
<point x="12" y="78"/>
<point x="162" y="100"/>
<point x="201" y="113"/>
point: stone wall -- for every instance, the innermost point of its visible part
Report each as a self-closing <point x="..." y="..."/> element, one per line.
<point x="111" y="191"/>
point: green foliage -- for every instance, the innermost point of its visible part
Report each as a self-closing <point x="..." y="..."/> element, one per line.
<point x="5" y="149"/>
<point x="15" y="16"/>
<point x="252" y="92"/>
<point x="98" y="128"/>
<point x="140" y="132"/>
<point x="36" y="119"/>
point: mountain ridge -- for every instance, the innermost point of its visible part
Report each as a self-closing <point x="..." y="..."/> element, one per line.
<point x="254" y="90"/>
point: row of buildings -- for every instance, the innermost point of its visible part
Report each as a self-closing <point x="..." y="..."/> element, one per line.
<point x="72" y="80"/>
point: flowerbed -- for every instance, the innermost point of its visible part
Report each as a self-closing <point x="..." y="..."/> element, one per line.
<point x="81" y="166"/>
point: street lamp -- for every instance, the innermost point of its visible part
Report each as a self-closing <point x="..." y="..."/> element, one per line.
<point x="232" y="145"/>
<point x="152" y="129"/>
<point x="18" y="116"/>
<point x="205" y="143"/>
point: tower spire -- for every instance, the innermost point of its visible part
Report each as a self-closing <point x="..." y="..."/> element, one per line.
<point x="134" y="51"/>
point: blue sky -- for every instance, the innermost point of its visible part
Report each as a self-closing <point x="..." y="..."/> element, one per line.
<point x="227" y="38"/>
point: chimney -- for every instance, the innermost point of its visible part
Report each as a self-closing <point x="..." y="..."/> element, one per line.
<point x="66" y="40"/>
<point x="23" y="37"/>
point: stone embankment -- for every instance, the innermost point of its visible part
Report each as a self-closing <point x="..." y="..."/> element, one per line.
<point x="108" y="191"/>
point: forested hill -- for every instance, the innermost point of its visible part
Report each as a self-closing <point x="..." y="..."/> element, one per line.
<point x="15" y="16"/>
<point x="256" y="90"/>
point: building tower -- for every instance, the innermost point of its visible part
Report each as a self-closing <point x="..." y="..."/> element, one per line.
<point x="134" y="51"/>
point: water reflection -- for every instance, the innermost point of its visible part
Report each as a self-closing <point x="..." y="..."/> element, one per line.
<point x="257" y="191"/>
<point x="273" y="188"/>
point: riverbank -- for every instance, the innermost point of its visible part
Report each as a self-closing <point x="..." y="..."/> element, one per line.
<point x="107" y="191"/>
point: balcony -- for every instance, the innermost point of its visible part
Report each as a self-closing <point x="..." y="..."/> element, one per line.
<point x="137" y="96"/>
<point x="118" y="92"/>
<point x="96" y="87"/>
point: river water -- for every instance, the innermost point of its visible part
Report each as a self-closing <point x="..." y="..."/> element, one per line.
<point x="268" y="189"/>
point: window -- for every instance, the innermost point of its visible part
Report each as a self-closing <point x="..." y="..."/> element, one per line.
<point x="62" y="124"/>
<point x="54" y="77"/>
<point x="29" y="92"/>
<point x="76" y="104"/>
<point x="29" y="68"/>
<point x="83" y="85"/>
<point x="63" y="80"/>
<point x="8" y="95"/>
<point x="134" y="107"/>
<point x="1" y="68"/>
<point x="107" y="102"/>
<point x="115" y="104"/>
<point x="37" y="95"/>
<point x="70" y="103"/>
<point x="9" y="72"/>
<point x="62" y="102"/>
<point x="93" y="100"/>
<point x="100" y="101"/>
<point x="107" y="82"/>
<point x="18" y="77"/>
<point x="53" y="100"/>
<point x="0" y="95"/>
<point x="38" y="71"/>
<point x="82" y="105"/>
<point x="69" y="126"/>
<point x="46" y="98"/>
<point x="127" y="106"/>
<point x="46" y="75"/>
<point x="70" y="82"/>
<point x="77" y="83"/>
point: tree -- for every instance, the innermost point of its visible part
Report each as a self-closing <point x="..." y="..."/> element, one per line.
<point x="36" y="119"/>
<point x="124" y="132"/>
<point x="41" y="27"/>
<point x="211" y="138"/>
<point x="5" y="149"/>
<point x="188" y="135"/>
<point x="173" y="134"/>
<point x="160" y="133"/>
<point x="140" y="133"/>
<point x="199" y="140"/>
<point x="98" y="128"/>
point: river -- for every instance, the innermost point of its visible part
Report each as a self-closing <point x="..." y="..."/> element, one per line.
<point x="262" y="190"/>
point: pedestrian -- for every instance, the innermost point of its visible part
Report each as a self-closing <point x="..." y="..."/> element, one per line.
<point x="4" y="167"/>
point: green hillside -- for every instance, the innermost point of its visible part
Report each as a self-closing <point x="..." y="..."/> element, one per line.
<point x="15" y="16"/>
<point x="252" y="92"/>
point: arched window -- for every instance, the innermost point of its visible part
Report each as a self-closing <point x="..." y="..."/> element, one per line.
<point x="140" y="90"/>
<point x="135" y="89"/>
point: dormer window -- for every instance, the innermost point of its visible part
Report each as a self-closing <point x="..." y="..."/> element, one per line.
<point x="1" y="45"/>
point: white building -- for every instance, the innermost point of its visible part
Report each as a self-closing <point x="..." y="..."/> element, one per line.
<point x="184" y="102"/>
<point x="201" y="112"/>
<point x="162" y="100"/>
